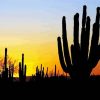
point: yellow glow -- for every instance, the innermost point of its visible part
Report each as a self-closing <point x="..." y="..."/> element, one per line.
<point x="37" y="50"/>
<point x="36" y="53"/>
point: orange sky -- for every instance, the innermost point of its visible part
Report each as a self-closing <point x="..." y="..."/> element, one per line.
<point x="35" y="55"/>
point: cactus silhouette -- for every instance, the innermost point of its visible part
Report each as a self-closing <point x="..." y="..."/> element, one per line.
<point x="82" y="61"/>
<point x="40" y="73"/>
<point x="43" y="72"/>
<point x="7" y="74"/>
<point x="46" y="73"/>
<point x="55" y="71"/>
<point x="22" y="70"/>
<point x="5" y="70"/>
<point x="11" y="72"/>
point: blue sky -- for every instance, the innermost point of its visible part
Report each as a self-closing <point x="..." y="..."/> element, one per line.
<point x="44" y="10"/>
<point x="41" y="13"/>
<point x="29" y="21"/>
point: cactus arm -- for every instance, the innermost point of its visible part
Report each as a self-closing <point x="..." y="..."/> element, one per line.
<point x="94" y="50"/>
<point x="75" y="49"/>
<point x="95" y="36"/>
<point x="83" y="35"/>
<point x="76" y="29"/>
<point x="84" y="16"/>
<point x="72" y="54"/>
<point x="85" y="41"/>
<point x="61" y="58"/>
<point x="83" y="26"/>
<point x="98" y="15"/>
<point x="65" y="43"/>
<point x="87" y="36"/>
<point x="25" y="71"/>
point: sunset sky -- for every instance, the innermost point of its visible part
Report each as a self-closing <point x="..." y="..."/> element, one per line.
<point x="32" y="27"/>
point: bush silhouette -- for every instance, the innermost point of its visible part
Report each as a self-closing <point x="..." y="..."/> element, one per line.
<point x="82" y="61"/>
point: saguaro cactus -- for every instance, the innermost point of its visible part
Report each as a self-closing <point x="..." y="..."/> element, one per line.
<point x="40" y="73"/>
<point x="82" y="61"/>
<point x="11" y="72"/>
<point x="5" y="70"/>
<point x="55" y="71"/>
<point x="47" y="72"/>
<point x="22" y="70"/>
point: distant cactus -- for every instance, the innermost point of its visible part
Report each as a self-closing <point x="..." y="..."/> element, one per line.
<point x="42" y="73"/>
<point x="83" y="61"/>
<point x="41" y="70"/>
<point x="55" y="71"/>
<point x="47" y="72"/>
<point x="39" y="73"/>
<point x="11" y="72"/>
<point x="5" y="70"/>
<point x="22" y="70"/>
<point x="5" y="60"/>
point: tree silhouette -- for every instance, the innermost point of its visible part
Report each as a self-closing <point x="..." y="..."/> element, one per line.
<point x="82" y="61"/>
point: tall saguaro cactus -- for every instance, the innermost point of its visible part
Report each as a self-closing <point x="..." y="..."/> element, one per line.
<point x="5" y="59"/>
<point x="5" y="70"/>
<point x="82" y="61"/>
<point x="22" y="70"/>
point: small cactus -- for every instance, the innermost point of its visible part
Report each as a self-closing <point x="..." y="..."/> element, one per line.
<point x="47" y="72"/>
<point x="22" y="70"/>
<point x="55" y="71"/>
<point x="11" y="72"/>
